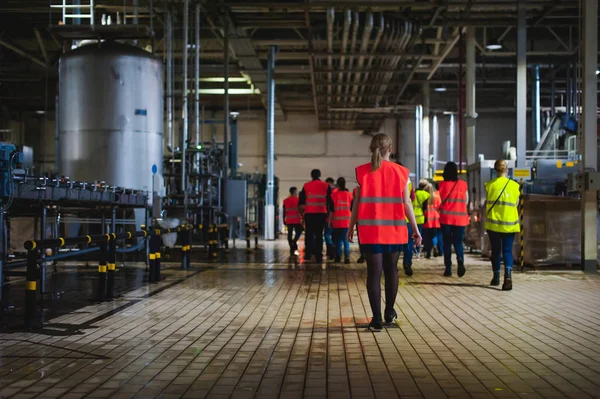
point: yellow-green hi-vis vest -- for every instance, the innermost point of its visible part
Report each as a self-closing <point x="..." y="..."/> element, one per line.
<point x="504" y="216"/>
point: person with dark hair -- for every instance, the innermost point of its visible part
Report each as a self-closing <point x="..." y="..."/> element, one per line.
<point x="453" y="217"/>
<point x="380" y="207"/>
<point x="313" y="206"/>
<point x="340" y="212"/>
<point x="292" y="219"/>
<point x="329" y="244"/>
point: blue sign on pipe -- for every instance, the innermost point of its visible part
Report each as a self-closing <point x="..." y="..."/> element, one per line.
<point x="154" y="169"/>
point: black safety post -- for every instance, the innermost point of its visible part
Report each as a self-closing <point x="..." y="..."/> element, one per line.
<point x="157" y="260"/>
<point x="215" y="241"/>
<point x="226" y="238"/>
<point x="248" y="237"/>
<point x="183" y="237"/>
<point x="101" y="288"/>
<point x="111" y="266"/>
<point x="255" y="236"/>
<point x="31" y="285"/>
<point x="189" y="245"/>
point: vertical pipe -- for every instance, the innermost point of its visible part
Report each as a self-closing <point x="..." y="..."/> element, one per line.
<point x="56" y="137"/>
<point x="569" y="93"/>
<point x="471" y="155"/>
<point x="536" y="110"/>
<point x="270" y="194"/>
<point x="197" y="77"/>
<point x="589" y="136"/>
<point x="135" y="4"/>
<point x="552" y="97"/>
<point x="43" y="266"/>
<point x="461" y="112"/>
<point x="226" y="116"/>
<point x="170" y="137"/>
<point x="425" y="133"/>
<point x="418" y="126"/>
<point x="151" y="6"/>
<point x="185" y="107"/>
<point x="434" y="140"/>
<point x="575" y="88"/>
<point x="451" y="130"/>
<point x="233" y="155"/>
<point x="521" y="103"/>
<point x="2" y="255"/>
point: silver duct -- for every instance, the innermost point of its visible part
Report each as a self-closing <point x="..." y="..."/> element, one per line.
<point x="380" y="28"/>
<point x="270" y="194"/>
<point x="345" y="33"/>
<point x="170" y="137"/>
<point x="197" y="78"/>
<point x="330" y="22"/>
<point x="363" y="49"/>
<point x="184" y="98"/>
<point x="352" y="50"/>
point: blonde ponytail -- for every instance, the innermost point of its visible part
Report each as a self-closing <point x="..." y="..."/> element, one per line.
<point x="380" y="146"/>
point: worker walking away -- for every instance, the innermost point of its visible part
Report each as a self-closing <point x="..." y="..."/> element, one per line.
<point x="380" y="207"/>
<point x="313" y="207"/>
<point x="340" y="211"/>
<point x="431" y="228"/>
<point x="361" y="258"/>
<point x="420" y="202"/>
<point x="502" y="221"/>
<point x="330" y="245"/>
<point x="409" y="249"/>
<point x="292" y="219"/>
<point x="453" y="217"/>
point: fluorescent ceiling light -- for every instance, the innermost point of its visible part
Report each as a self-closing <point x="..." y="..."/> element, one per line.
<point x="40" y="112"/>
<point x="220" y="79"/>
<point x="440" y="89"/>
<point x="493" y="45"/>
<point x="231" y="91"/>
<point x="597" y="72"/>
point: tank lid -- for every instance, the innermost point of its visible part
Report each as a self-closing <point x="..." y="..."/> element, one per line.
<point x="109" y="47"/>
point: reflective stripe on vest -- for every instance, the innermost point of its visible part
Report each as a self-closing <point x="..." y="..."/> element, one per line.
<point x="381" y="217"/>
<point x="292" y="211"/>
<point x="341" y="209"/>
<point x="502" y="197"/>
<point x="432" y="214"/>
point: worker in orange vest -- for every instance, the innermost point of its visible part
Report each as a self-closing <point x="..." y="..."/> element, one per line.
<point x="361" y="258"/>
<point x="313" y="206"/>
<point x="292" y="219"/>
<point x="339" y="219"/>
<point x="453" y="217"/>
<point x="329" y="244"/>
<point x="381" y="207"/>
<point x="432" y="239"/>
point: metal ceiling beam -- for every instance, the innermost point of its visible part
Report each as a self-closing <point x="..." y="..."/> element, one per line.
<point x="41" y="44"/>
<point x="447" y="49"/>
<point x="23" y="53"/>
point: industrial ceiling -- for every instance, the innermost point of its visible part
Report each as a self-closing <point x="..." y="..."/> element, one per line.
<point x="350" y="63"/>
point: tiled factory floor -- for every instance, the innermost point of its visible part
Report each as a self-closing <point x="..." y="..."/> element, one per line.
<point x="261" y="326"/>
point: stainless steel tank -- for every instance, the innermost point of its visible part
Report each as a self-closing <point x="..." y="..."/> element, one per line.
<point x="111" y="115"/>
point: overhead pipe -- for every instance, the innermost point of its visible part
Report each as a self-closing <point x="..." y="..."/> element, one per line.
<point x="363" y="49"/>
<point x="170" y="134"/>
<point x="352" y="50"/>
<point x="380" y="28"/>
<point x="330" y="22"/>
<point x="393" y="63"/>
<point x="461" y="110"/>
<point x="184" y="98"/>
<point x="345" y="34"/>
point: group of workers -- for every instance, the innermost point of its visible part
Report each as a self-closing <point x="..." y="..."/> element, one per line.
<point x="390" y="217"/>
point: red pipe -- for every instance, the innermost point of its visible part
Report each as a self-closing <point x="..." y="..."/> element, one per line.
<point x="461" y="106"/>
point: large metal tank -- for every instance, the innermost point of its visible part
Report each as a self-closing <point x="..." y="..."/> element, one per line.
<point x="111" y="115"/>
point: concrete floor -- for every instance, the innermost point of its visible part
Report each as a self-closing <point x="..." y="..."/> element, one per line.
<point x="261" y="326"/>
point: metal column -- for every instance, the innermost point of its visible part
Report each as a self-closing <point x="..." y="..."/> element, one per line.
<point x="425" y="133"/>
<point x="552" y="99"/>
<point x="434" y="140"/>
<point x="270" y="194"/>
<point x="233" y="153"/>
<point x="226" y="115"/>
<point x="589" y="136"/>
<point x="470" y="151"/>
<point x="535" y="107"/>
<point x="418" y="126"/>
<point x="451" y="131"/>
<point x="185" y="107"/>
<point x="521" y="103"/>
<point x="170" y="137"/>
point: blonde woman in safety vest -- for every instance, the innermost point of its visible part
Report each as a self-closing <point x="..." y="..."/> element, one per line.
<point x="502" y="221"/>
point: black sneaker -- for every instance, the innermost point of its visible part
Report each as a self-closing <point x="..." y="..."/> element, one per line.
<point x="448" y="273"/>
<point x="376" y="325"/>
<point x="347" y="261"/>
<point x="408" y="270"/>
<point x="337" y="259"/>
<point x="495" y="280"/>
<point x="428" y="256"/>
<point x="361" y="259"/>
<point x="507" y="286"/>
<point x="461" y="270"/>
<point x="390" y="316"/>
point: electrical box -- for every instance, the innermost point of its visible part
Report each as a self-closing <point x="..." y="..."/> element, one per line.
<point x="9" y="157"/>
<point x="586" y="181"/>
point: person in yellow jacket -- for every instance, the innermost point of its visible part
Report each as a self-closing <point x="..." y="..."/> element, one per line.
<point x="502" y="221"/>
<point x="419" y="202"/>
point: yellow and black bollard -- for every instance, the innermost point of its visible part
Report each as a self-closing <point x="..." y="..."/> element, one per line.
<point x="111" y="267"/>
<point x="522" y="233"/>
<point x="31" y="284"/>
<point x="215" y="241"/>
<point x="102" y="267"/>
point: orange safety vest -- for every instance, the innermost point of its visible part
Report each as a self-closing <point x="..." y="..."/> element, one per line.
<point x="316" y="196"/>
<point x="432" y="213"/>
<point x="381" y="217"/>
<point x="341" y="209"/>
<point x="453" y="210"/>
<point x="292" y="211"/>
